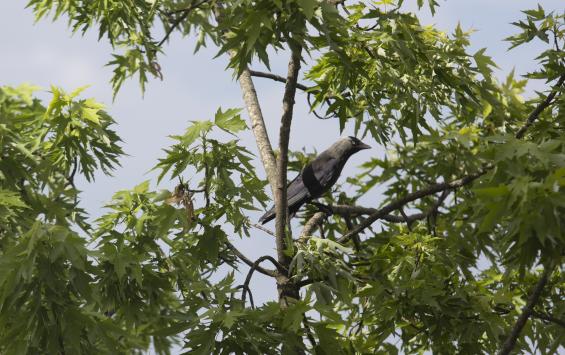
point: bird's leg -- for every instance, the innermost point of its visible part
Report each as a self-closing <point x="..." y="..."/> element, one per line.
<point x="323" y="208"/>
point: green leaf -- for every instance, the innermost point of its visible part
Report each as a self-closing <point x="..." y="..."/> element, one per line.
<point x="78" y="91"/>
<point x="230" y="120"/>
<point x="331" y="244"/>
<point x="141" y="188"/>
<point x="91" y="114"/>
<point x="209" y="243"/>
<point x="484" y="63"/>
<point x="195" y="130"/>
<point x="294" y="315"/>
<point x="11" y="199"/>
<point x="497" y="191"/>
<point x="308" y="6"/>
<point x="174" y="329"/>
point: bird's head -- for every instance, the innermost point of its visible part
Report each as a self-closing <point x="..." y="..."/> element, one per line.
<point x="345" y="147"/>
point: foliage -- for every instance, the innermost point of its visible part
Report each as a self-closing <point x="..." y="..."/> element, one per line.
<point x="449" y="271"/>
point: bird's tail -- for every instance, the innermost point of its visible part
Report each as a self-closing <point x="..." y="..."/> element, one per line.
<point x="268" y="216"/>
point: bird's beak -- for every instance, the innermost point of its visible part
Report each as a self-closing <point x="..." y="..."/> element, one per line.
<point x="363" y="146"/>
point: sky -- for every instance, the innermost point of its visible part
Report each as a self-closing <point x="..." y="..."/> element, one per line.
<point x="194" y="86"/>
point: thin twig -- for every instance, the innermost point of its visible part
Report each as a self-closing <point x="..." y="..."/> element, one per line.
<point x="309" y="334"/>
<point x="71" y="177"/>
<point x="305" y="282"/>
<point x="182" y="17"/>
<point x="355" y="238"/>
<point x="327" y="117"/>
<point x="310" y="91"/>
<point x="549" y="318"/>
<point x="322" y="233"/>
<point x="542" y="106"/>
<point x="434" y="212"/>
<point x="347" y="211"/>
<point x="510" y="341"/>
<point x="255" y="266"/>
<point x="555" y="41"/>
<point x="266" y="230"/>
<point x="275" y="77"/>
<point x="250" y="263"/>
<point x="206" y="173"/>
<point x="408" y="223"/>
<point x="248" y="290"/>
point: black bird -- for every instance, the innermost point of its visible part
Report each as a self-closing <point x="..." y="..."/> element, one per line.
<point x="318" y="176"/>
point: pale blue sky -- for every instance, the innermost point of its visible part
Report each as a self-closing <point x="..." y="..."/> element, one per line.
<point x="194" y="86"/>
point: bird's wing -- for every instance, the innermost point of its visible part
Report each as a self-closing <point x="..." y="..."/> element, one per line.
<point x="320" y="175"/>
<point x="296" y="195"/>
<point x="315" y="179"/>
<point x="326" y="170"/>
<point x="296" y="191"/>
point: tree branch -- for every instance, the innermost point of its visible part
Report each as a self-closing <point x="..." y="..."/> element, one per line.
<point x="305" y="282"/>
<point x="257" y="122"/>
<point x="250" y="263"/>
<point x="309" y="334"/>
<point x="285" y="290"/>
<point x="542" y="106"/>
<point x="206" y="173"/>
<point x="311" y="225"/>
<point x="302" y="87"/>
<point x="275" y="77"/>
<point x="259" y="128"/>
<point x="281" y="206"/>
<point x="255" y="266"/>
<point x="71" y="177"/>
<point x="430" y="190"/>
<point x="510" y="341"/>
<point x="246" y="289"/>
<point x="266" y="230"/>
<point x="354" y="211"/>
<point x="549" y="318"/>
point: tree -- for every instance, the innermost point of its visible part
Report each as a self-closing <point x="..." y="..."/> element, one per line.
<point x="463" y="255"/>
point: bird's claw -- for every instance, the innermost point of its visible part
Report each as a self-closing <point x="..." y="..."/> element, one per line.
<point x="323" y="208"/>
